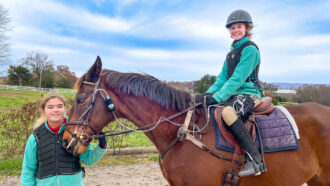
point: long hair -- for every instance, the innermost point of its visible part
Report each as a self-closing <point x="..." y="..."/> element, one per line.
<point x="249" y="26"/>
<point x="42" y="106"/>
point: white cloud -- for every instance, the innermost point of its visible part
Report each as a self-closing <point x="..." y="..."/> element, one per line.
<point x="68" y="15"/>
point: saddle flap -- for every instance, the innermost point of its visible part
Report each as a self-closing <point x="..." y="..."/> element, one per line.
<point x="228" y="135"/>
<point x="265" y="106"/>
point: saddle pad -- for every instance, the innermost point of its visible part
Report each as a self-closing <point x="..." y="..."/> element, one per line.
<point x="277" y="133"/>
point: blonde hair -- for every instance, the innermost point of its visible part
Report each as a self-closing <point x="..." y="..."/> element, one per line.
<point x="42" y="106"/>
<point x="249" y="27"/>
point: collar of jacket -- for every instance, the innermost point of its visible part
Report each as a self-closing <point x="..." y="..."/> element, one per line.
<point x="61" y="128"/>
<point x="240" y="42"/>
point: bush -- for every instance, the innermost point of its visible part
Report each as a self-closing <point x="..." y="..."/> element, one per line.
<point x="15" y="129"/>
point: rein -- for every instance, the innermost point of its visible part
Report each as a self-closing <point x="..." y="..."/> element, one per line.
<point x="84" y="138"/>
<point x="116" y="133"/>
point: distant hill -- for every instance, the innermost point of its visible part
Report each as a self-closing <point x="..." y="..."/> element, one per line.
<point x="291" y="85"/>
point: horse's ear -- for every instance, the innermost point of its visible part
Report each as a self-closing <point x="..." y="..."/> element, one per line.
<point x="93" y="73"/>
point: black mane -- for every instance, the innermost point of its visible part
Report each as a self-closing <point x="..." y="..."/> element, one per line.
<point x="149" y="87"/>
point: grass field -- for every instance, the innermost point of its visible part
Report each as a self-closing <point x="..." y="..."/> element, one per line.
<point x="15" y="98"/>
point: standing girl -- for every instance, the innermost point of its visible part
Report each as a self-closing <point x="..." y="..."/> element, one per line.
<point x="46" y="162"/>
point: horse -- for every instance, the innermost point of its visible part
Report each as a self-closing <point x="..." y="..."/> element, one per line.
<point x="143" y="100"/>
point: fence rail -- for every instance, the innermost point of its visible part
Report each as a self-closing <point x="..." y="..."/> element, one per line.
<point x="25" y="88"/>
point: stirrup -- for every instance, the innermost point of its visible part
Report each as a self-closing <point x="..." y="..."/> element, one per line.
<point x="251" y="167"/>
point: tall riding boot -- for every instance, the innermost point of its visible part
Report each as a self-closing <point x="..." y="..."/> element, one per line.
<point x="253" y="162"/>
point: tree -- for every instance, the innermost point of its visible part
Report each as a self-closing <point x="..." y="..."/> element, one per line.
<point x="38" y="63"/>
<point x="4" y="27"/>
<point x="19" y="75"/>
<point x="48" y="79"/>
<point x="65" y="78"/>
<point x="315" y="93"/>
<point x="204" y="83"/>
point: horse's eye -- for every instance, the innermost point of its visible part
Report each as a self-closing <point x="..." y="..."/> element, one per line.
<point x="81" y="100"/>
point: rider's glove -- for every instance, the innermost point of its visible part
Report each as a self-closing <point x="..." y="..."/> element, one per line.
<point x="102" y="141"/>
<point x="199" y="98"/>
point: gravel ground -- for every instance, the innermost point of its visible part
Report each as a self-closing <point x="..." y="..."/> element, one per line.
<point x="132" y="174"/>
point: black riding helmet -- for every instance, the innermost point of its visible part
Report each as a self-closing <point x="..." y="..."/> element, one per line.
<point x="238" y="16"/>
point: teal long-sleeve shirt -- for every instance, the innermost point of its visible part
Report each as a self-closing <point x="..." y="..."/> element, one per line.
<point x="30" y="161"/>
<point x="223" y="88"/>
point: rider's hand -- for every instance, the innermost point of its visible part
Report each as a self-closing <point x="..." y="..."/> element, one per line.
<point x="102" y="141"/>
<point x="199" y="98"/>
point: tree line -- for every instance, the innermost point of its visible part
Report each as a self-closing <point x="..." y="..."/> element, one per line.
<point x="37" y="70"/>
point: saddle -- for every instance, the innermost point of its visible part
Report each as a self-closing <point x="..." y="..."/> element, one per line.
<point x="265" y="107"/>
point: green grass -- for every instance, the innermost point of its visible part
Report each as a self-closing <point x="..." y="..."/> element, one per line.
<point x="11" y="166"/>
<point x="16" y="98"/>
<point x="136" y="139"/>
<point x="287" y="103"/>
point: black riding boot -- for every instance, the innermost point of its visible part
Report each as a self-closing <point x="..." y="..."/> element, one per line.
<point x="253" y="162"/>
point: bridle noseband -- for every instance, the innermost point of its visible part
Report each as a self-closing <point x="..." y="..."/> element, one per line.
<point x="84" y="138"/>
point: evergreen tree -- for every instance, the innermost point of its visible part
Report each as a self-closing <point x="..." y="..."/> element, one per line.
<point x="204" y="83"/>
<point x="19" y="75"/>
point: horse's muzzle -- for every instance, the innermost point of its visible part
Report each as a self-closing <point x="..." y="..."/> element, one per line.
<point x="65" y="146"/>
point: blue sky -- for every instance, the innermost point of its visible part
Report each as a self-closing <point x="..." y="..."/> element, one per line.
<point x="174" y="40"/>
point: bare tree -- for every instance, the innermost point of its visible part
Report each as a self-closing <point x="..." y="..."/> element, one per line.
<point x="38" y="63"/>
<point x="4" y="44"/>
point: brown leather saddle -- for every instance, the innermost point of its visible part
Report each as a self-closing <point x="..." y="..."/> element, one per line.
<point x="264" y="108"/>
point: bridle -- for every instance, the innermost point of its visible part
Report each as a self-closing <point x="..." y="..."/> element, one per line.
<point x="83" y="120"/>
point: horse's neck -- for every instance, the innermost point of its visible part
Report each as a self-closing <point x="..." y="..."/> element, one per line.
<point x="143" y="112"/>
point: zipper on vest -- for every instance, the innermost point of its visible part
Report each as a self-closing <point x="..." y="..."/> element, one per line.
<point x="56" y="155"/>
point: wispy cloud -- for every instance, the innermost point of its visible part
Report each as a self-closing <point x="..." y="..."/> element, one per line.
<point x="174" y="40"/>
<point x="48" y="12"/>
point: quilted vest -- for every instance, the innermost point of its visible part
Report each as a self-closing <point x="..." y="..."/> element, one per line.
<point x="233" y="58"/>
<point x="53" y="159"/>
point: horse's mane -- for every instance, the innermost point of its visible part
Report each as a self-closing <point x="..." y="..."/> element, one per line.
<point x="149" y="87"/>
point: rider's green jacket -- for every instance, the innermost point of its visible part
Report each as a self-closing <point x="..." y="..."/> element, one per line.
<point x="30" y="161"/>
<point x="223" y="88"/>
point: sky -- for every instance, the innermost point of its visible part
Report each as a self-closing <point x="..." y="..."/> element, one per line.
<point x="173" y="40"/>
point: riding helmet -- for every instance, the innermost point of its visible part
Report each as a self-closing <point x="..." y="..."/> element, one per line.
<point x="238" y="16"/>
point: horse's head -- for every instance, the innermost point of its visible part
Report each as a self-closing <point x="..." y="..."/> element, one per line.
<point x="85" y="119"/>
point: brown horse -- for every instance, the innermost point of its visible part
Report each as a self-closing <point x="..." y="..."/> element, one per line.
<point x="143" y="99"/>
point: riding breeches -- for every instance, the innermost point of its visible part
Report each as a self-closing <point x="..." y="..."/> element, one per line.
<point x="239" y="107"/>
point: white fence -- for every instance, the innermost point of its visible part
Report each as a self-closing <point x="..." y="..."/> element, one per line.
<point x="24" y="88"/>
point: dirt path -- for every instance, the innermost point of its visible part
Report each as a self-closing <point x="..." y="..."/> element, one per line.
<point x="132" y="175"/>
